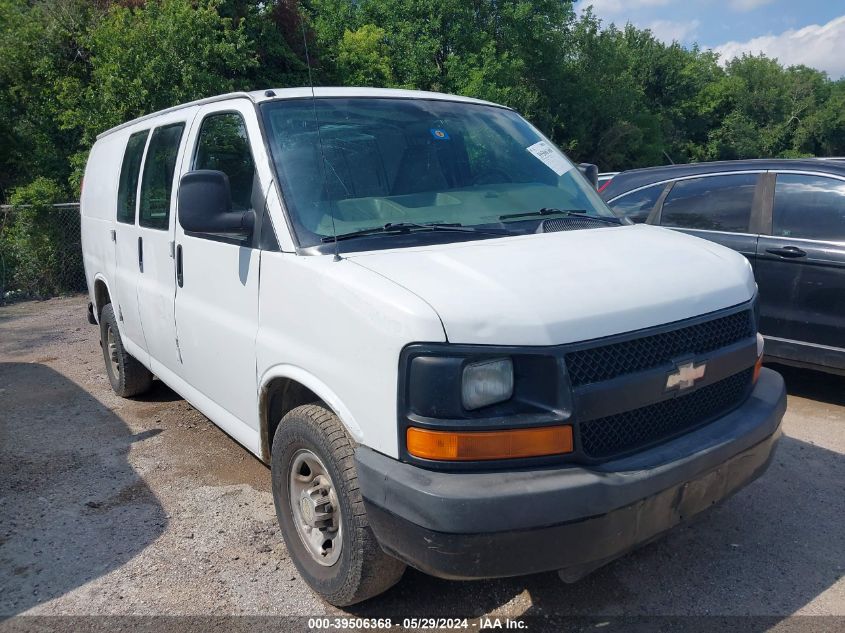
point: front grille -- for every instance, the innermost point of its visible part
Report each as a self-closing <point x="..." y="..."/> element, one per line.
<point x="603" y="363"/>
<point x="624" y="432"/>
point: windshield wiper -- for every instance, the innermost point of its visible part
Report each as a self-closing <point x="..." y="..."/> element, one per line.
<point x="553" y="211"/>
<point x="401" y="228"/>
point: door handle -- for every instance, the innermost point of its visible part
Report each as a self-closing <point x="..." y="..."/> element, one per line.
<point x="179" y="277"/>
<point x="140" y="253"/>
<point x="787" y="251"/>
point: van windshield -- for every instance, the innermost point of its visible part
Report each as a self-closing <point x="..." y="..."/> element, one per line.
<point x="391" y="161"/>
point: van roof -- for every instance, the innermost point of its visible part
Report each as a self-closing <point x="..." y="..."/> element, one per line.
<point x="258" y="96"/>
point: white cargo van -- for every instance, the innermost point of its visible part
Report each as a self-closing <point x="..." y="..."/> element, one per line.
<point x="411" y="306"/>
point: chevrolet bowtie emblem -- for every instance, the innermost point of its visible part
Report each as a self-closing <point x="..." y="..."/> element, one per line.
<point x="685" y="376"/>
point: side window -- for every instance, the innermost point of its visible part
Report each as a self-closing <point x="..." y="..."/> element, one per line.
<point x="127" y="189"/>
<point x="636" y="206"/>
<point x="223" y="145"/>
<point x="716" y="203"/>
<point x="157" y="182"/>
<point x="811" y="207"/>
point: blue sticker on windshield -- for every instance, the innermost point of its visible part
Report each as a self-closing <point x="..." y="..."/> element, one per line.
<point x="439" y="134"/>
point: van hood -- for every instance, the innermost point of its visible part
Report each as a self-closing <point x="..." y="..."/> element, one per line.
<point x="556" y="288"/>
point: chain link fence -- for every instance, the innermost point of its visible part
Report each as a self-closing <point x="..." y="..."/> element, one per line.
<point x="40" y="251"/>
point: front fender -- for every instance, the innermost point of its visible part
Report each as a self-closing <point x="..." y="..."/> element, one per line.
<point x="312" y="382"/>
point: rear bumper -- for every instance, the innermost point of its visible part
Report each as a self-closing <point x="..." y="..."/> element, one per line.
<point x="495" y="524"/>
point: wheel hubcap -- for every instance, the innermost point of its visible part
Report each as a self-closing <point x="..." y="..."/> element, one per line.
<point x="111" y="350"/>
<point x="315" y="508"/>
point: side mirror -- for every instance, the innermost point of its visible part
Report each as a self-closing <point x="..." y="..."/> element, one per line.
<point x="205" y="205"/>
<point x="591" y="173"/>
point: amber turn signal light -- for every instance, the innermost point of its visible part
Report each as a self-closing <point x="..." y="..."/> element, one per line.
<point x="482" y="445"/>
<point x="759" y="364"/>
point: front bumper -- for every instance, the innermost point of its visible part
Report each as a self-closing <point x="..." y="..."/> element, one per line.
<point x="493" y="524"/>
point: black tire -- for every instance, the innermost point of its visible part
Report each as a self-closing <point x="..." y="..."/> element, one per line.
<point x="363" y="569"/>
<point x="127" y="376"/>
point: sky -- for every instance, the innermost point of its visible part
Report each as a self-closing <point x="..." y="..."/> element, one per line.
<point x="810" y="32"/>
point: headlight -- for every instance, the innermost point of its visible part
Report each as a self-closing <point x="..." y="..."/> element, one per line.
<point x="487" y="382"/>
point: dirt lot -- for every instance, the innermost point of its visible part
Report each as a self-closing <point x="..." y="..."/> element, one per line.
<point x="112" y="506"/>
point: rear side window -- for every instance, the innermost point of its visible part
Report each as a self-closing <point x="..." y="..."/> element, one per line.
<point x="157" y="183"/>
<point x="637" y="206"/>
<point x="127" y="189"/>
<point x="223" y="145"/>
<point x="715" y="203"/>
<point x="810" y="207"/>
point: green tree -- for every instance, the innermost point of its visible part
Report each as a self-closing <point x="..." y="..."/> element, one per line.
<point x="508" y="51"/>
<point x="69" y="69"/>
<point x="41" y="254"/>
<point x="145" y="59"/>
<point x="602" y="115"/>
<point x="363" y="58"/>
<point x="760" y="109"/>
<point x="40" y="53"/>
<point x="820" y="130"/>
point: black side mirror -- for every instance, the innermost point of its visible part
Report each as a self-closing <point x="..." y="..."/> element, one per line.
<point x="591" y="173"/>
<point x="205" y="205"/>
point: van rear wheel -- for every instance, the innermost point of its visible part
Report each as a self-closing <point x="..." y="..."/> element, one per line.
<point x="320" y="510"/>
<point x="127" y="376"/>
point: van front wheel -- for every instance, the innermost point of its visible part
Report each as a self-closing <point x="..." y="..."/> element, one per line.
<point x="320" y="510"/>
<point x="127" y="376"/>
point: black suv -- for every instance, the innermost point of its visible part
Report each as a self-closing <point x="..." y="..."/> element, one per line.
<point x="786" y="216"/>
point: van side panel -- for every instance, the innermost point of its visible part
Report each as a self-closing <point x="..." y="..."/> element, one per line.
<point x="156" y="280"/>
<point x="216" y="309"/>
<point x="97" y="208"/>
<point x="345" y="327"/>
<point x="241" y="432"/>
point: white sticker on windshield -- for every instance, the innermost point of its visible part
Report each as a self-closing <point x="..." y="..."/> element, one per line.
<point x="551" y="158"/>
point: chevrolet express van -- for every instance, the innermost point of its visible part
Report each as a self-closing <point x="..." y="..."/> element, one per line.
<point x="413" y="307"/>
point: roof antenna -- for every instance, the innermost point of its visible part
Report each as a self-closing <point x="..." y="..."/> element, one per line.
<point x="319" y="137"/>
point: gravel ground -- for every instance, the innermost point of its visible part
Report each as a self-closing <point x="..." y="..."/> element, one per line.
<point x="112" y="506"/>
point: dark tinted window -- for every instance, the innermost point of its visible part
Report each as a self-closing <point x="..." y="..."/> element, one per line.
<point x="127" y="190"/>
<point x="811" y="207"/>
<point x="716" y="203"/>
<point x="223" y="145"/>
<point x="636" y="206"/>
<point x="157" y="183"/>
